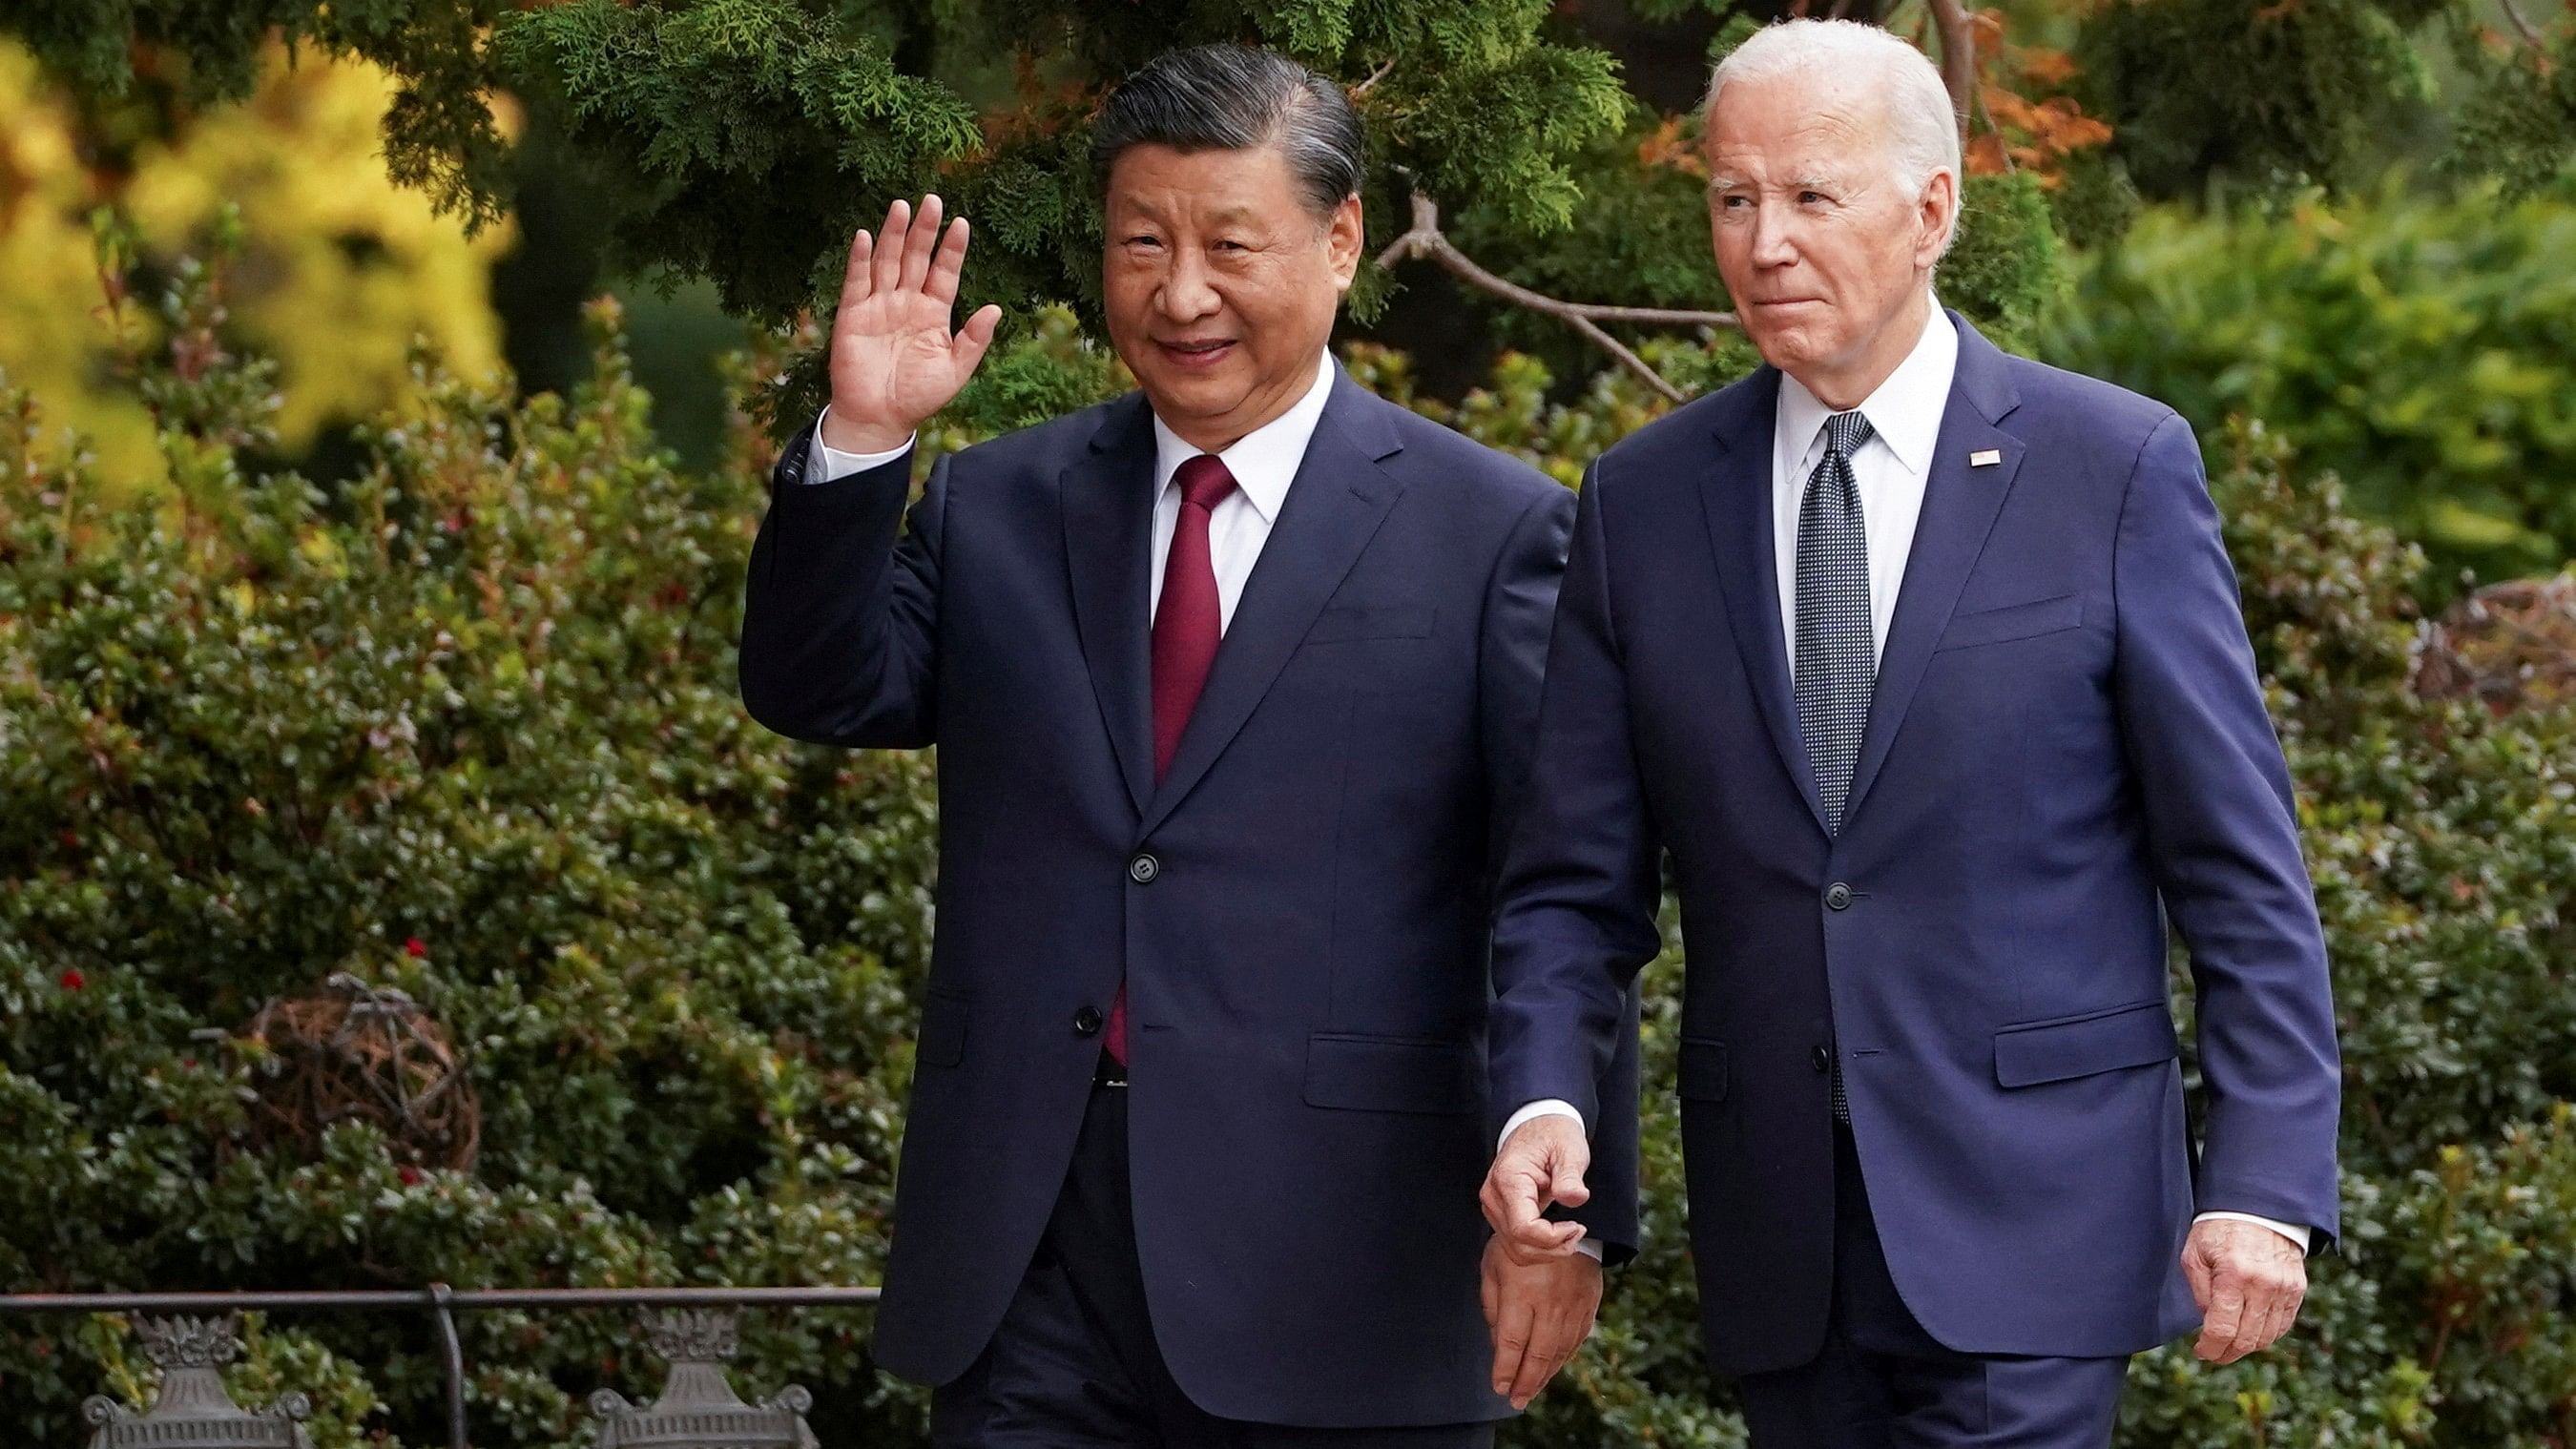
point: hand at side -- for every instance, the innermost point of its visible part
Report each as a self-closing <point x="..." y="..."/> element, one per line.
<point x="1540" y="1314"/>
<point x="2249" y="1282"/>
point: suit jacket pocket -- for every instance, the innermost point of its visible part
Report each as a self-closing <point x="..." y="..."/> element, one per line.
<point x="1336" y="625"/>
<point x="2013" y="621"/>
<point x="1702" y="1070"/>
<point x="2079" y="1046"/>
<point x="942" y="1042"/>
<point x="1393" y="1074"/>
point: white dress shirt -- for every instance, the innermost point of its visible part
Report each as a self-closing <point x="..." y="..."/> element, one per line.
<point x="1264" y="462"/>
<point x="1892" y="470"/>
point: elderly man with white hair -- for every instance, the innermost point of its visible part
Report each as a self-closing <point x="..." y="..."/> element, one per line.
<point x="1923" y="667"/>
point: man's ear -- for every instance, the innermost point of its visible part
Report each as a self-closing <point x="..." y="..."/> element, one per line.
<point x="1345" y="234"/>
<point x="1938" y="212"/>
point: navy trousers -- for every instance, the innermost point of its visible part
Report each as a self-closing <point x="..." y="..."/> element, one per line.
<point x="1882" y="1382"/>
<point x="1074" y="1364"/>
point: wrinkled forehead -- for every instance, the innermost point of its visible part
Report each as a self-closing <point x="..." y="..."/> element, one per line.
<point x="1815" y="122"/>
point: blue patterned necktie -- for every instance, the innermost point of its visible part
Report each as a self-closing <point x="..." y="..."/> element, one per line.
<point x="1837" y="650"/>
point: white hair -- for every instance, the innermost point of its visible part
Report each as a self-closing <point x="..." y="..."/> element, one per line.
<point x="1922" y="131"/>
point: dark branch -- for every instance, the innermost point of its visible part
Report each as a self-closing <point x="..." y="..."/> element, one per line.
<point x="1958" y="55"/>
<point x="1427" y="240"/>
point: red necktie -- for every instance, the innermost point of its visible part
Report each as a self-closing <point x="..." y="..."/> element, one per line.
<point x="1187" y="627"/>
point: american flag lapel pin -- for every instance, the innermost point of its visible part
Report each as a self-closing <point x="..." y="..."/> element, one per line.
<point x="1985" y="457"/>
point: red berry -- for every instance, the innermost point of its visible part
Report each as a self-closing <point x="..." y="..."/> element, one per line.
<point x="73" y="980"/>
<point x="410" y="1176"/>
<point x="415" y="946"/>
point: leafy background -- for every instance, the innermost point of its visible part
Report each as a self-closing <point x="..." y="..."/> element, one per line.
<point x="368" y="595"/>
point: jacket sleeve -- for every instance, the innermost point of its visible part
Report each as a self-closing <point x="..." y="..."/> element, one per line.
<point x="840" y="629"/>
<point x="1520" y="610"/>
<point x="2222" y="835"/>
<point x="1574" y="916"/>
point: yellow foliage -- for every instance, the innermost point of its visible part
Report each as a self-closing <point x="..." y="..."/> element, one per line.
<point x="342" y="269"/>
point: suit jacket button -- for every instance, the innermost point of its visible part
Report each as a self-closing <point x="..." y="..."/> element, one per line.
<point x="1838" y="897"/>
<point x="1822" y="1059"/>
<point x="1087" y="1021"/>
<point x="1143" y="869"/>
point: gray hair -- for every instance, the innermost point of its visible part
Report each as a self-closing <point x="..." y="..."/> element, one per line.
<point x="1235" y="98"/>
<point x="1922" y="131"/>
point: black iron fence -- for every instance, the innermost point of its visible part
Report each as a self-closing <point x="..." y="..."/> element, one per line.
<point x="191" y="1336"/>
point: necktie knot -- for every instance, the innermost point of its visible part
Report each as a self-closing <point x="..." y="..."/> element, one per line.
<point x="1846" y="432"/>
<point x="1204" y="481"/>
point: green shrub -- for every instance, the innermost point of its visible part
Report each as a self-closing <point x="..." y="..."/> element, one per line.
<point x="468" y="728"/>
<point x="2421" y="347"/>
<point x="2443" y="845"/>
<point x="482" y="700"/>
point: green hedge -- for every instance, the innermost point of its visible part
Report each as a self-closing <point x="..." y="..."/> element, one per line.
<point x="2421" y="345"/>
<point x="482" y="699"/>
<point x="467" y="727"/>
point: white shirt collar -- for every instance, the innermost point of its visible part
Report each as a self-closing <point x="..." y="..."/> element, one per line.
<point x="1264" y="461"/>
<point x="1904" y="413"/>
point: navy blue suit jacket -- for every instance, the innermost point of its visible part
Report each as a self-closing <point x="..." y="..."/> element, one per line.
<point x="1301" y="909"/>
<point x="2066" y="745"/>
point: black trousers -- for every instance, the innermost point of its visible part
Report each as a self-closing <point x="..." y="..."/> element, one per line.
<point x="1883" y="1382"/>
<point x="1074" y="1364"/>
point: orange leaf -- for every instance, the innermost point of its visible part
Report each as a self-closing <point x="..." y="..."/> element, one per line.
<point x="2046" y="68"/>
<point x="1668" y="147"/>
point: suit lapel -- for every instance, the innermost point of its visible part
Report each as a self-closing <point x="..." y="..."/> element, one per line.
<point x="1735" y="497"/>
<point x="1340" y="497"/>
<point x="1960" y="503"/>
<point x="1108" y="547"/>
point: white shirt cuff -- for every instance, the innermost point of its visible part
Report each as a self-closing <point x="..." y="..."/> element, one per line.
<point x="1549" y="1107"/>
<point x="825" y="462"/>
<point x="2299" y="1233"/>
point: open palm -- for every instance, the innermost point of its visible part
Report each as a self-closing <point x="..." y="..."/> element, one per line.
<point x="894" y="360"/>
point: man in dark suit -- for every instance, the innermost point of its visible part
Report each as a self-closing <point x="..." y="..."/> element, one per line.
<point x="1925" y="667"/>
<point x="1234" y="682"/>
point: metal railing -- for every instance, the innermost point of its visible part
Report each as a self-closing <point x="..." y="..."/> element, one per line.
<point x="191" y="1336"/>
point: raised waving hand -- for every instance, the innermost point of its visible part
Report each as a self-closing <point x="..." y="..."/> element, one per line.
<point x="894" y="360"/>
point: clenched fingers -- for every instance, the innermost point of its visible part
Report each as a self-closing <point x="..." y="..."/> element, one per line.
<point x="2250" y="1282"/>
<point x="1543" y="1163"/>
<point x="1515" y="1202"/>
